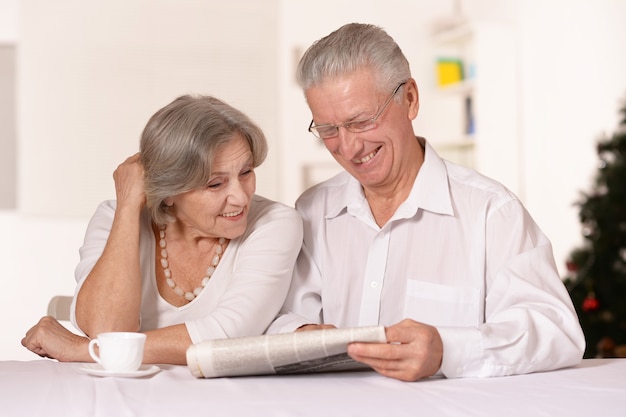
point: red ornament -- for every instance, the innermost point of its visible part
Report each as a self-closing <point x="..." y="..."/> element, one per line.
<point x="590" y="303"/>
<point x="571" y="266"/>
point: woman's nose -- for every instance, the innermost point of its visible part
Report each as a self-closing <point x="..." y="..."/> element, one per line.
<point x="237" y="194"/>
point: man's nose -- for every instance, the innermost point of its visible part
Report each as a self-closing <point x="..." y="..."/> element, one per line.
<point x="348" y="144"/>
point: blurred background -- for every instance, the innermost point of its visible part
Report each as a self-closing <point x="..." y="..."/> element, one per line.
<point x="534" y="84"/>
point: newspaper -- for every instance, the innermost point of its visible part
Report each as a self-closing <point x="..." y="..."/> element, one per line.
<point x="322" y="350"/>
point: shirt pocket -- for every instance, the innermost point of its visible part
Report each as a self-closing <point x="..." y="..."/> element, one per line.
<point x="442" y="305"/>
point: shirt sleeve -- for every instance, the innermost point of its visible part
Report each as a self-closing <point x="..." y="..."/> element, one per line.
<point x="260" y="279"/>
<point x="530" y="322"/>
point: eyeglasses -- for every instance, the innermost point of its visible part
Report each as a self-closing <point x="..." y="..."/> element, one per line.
<point x="356" y="126"/>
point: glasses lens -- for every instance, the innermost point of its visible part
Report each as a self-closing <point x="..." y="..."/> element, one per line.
<point x="330" y="131"/>
<point x="325" y="131"/>
<point x="360" y="125"/>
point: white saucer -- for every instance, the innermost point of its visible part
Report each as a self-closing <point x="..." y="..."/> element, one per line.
<point x="97" y="370"/>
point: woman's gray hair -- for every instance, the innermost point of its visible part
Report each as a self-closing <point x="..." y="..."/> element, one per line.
<point x="179" y="143"/>
<point x="350" y="48"/>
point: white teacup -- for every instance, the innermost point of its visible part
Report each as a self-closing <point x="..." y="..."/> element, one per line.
<point x="118" y="351"/>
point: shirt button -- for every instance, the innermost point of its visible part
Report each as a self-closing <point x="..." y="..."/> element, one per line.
<point x="374" y="284"/>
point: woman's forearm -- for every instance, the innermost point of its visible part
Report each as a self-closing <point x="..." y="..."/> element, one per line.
<point x="167" y="345"/>
<point x="110" y="297"/>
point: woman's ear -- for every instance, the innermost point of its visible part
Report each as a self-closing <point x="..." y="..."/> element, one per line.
<point x="168" y="201"/>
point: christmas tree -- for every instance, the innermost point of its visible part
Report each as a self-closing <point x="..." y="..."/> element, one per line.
<point x="596" y="277"/>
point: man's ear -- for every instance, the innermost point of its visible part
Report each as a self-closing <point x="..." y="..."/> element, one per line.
<point x="412" y="97"/>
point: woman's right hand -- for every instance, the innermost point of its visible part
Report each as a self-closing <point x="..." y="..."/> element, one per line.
<point x="50" y="339"/>
<point x="129" y="182"/>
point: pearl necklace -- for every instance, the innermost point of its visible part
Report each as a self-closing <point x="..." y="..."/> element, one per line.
<point x="219" y="250"/>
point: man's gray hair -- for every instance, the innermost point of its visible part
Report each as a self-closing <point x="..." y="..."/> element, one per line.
<point x="350" y="48"/>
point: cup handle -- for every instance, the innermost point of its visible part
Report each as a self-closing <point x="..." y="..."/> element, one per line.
<point x="92" y="352"/>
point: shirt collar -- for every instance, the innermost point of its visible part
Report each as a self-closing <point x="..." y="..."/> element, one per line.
<point x="430" y="191"/>
<point x="352" y="198"/>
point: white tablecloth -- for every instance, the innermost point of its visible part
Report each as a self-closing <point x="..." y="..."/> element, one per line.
<point x="596" y="387"/>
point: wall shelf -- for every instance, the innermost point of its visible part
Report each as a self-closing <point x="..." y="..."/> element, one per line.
<point x="479" y="112"/>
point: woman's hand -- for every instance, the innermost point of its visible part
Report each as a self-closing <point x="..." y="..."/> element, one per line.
<point x="49" y="339"/>
<point x="129" y="182"/>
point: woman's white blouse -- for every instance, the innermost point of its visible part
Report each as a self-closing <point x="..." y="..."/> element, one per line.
<point x="244" y="294"/>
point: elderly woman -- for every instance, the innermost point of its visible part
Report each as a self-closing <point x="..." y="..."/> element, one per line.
<point x="187" y="252"/>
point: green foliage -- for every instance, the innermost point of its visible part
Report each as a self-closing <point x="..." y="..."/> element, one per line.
<point x="598" y="267"/>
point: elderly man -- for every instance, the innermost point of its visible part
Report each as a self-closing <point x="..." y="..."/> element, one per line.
<point x="448" y="260"/>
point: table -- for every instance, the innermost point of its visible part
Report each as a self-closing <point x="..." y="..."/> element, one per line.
<point x="596" y="387"/>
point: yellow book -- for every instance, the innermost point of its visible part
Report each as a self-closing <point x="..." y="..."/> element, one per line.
<point x="449" y="71"/>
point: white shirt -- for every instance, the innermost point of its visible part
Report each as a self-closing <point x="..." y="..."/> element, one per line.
<point x="461" y="253"/>
<point x="244" y="294"/>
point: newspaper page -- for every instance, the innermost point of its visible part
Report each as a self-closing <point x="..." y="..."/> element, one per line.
<point x="322" y="350"/>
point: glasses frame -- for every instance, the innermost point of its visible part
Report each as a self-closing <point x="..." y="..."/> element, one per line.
<point x="349" y="126"/>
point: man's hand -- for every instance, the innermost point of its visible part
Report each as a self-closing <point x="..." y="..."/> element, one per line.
<point x="306" y="327"/>
<point x="414" y="351"/>
<point x="50" y="339"/>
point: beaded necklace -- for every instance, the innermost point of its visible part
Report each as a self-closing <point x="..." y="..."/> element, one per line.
<point x="189" y="295"/>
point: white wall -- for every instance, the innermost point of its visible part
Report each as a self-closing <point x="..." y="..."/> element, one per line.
<point x="8" y="39"/>
<point x="573" y="84"/>
<point x="9" y="10"/>
<point x="90" y="77"/>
